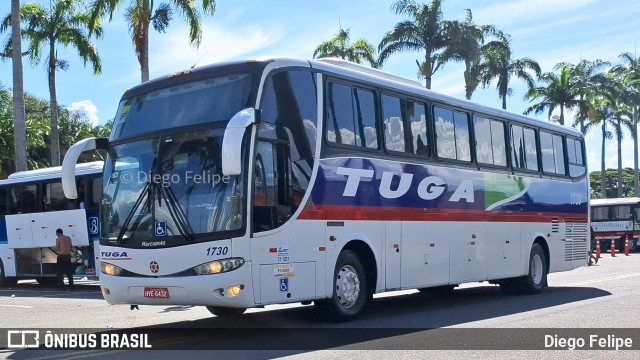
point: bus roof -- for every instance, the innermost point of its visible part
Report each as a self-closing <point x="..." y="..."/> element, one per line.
<point x="615" y="201"/>
<point x="51" y="173"/>
<point x="352" y="70"/>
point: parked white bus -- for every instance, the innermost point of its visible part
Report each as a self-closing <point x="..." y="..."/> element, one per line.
<point x="272" y="181"/>
<point x="32" y="207"/>
<point x="618" y="219"/>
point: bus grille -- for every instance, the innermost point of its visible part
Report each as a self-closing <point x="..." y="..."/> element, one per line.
<point x="575" y="247"/>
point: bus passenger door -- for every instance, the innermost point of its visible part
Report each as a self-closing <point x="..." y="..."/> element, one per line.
<point x="285" y="256"/>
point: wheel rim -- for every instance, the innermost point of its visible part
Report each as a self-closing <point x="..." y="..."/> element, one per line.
<point x="536" y="269"/>
<point x="347" y="286"/>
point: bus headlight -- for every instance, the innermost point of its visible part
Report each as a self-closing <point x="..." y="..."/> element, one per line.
<point x="218" y="266"/>
<point x="110" y="269"/>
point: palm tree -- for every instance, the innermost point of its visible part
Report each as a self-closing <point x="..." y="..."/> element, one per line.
<point x="62" y="24"/>
<point x="556" y="94"/>
<point x="467" y="45"/>
<point x="339" y="47"/>
<point x="19" y="126"/>
<point x="630" y="71"/>
<point x="603" y="115"/>
<point x="584" y="81"/>
<point x="500" y="66"/>
<point x="425" y="31"/>
<point x="140" y="14"/>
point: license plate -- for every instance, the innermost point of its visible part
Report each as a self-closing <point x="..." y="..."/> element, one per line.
<point x="156" y="293"/>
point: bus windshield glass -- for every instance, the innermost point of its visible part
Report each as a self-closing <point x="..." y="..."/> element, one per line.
<point x="169" y="188"/>
<point x="198" y="102"/>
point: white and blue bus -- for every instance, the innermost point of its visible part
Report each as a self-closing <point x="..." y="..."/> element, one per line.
<point x="32" y="207"/>
<point x="271" y="181"/>
<point x="617" y="219"/>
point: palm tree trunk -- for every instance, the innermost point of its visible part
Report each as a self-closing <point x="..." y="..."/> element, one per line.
<point x="144" y="66"/>
<point x="427" y="70"/>
<point x="53" y="107"/>
<point x="468" y="91"/>
<point x="582" y="117"/>
<point x="503" y="91"/>
<point x="619" y="135"/>
<point x="19" y="127"/>
<point x="634" y="133"/>
<point x="603" y="171"/>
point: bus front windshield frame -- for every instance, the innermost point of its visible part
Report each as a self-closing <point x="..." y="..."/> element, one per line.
<point x="169" y="189"/>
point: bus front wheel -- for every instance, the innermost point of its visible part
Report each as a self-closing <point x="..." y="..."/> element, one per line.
<point x="351" y="295"/>
<point x="225" y="312"/>
<point x="4" y="280"/>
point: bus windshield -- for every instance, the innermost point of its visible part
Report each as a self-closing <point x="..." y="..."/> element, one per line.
<point x="169" y="188"/>
<point x="198" y="102"/>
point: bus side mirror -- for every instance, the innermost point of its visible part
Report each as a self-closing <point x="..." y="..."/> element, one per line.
<point x="232" y="140"/>
<point x="71" y="159"/>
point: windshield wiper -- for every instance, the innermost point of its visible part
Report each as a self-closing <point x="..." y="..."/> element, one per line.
<point x="145" y="193"/>
<point x="176" y="212"/>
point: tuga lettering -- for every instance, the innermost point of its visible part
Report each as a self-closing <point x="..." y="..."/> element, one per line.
<point x="114" y="254"/>
<point x="428" y="188"/>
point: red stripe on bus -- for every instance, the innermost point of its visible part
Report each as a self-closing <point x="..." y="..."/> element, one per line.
<point x="339" y="212"/>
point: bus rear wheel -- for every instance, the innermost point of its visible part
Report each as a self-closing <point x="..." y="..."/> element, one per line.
<point x="351" y="295"/>
<point x="533" y="282"/>
<point x="226" y="312"/>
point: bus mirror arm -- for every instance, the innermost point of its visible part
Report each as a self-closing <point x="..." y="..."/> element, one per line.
<point x="71" y="159"/>
<point x="232" y="140"/>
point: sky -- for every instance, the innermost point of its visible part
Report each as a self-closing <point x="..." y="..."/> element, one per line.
<point x="548" y="31"/>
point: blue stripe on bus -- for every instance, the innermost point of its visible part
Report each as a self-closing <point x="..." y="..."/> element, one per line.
<point x="363" y="182"/>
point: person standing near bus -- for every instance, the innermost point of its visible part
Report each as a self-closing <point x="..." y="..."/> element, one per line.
<point x="63" y="249"/>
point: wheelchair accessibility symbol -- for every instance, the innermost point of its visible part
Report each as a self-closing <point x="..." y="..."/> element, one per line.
<point x="284" y="284"/>
<point x="161" y="228"/>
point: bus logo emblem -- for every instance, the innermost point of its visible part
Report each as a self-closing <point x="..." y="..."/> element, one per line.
<point x="161" y="228"/>
<point x="93" y="225"/>
<point x="154" y="267"/>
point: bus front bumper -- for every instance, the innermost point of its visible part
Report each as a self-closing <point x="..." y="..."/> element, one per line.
<point x="231" y="289"/>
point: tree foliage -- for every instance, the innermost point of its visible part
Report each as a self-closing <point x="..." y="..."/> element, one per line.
<point x="73" y="125"/>
<point x="611" y="188"/>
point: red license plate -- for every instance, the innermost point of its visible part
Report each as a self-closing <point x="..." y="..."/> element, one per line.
<point x="156" y="293"/>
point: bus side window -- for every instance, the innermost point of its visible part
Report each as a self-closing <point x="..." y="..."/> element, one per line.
<point x="54" y="197"/>
<point x="285" y="150"/>
<point x="24" y="199"/>
<point x="94" y="191"/>
<point x="270" y="209"/>
<point x="3" y="202"/>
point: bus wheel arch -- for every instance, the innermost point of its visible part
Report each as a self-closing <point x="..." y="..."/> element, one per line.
<point x="545" y="248"/>
<point x="368" y="259"/>
<point x="537" y="269"/>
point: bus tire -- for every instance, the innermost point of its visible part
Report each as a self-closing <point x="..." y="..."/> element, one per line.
<point x="537" y="277"/>
<point x="226" y="312"/>
<point x="350" y="295"/>
<point x="4" y="280"/>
